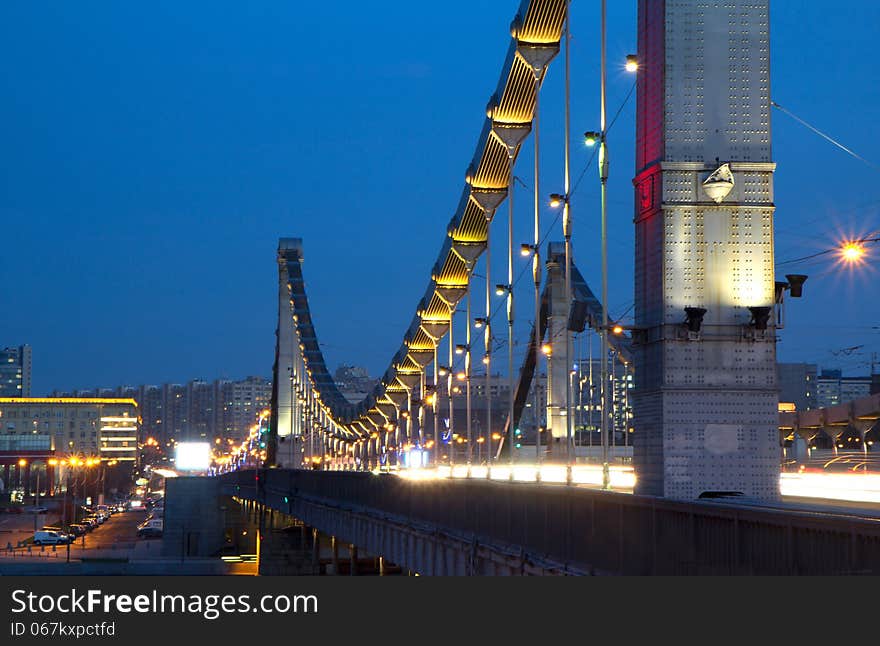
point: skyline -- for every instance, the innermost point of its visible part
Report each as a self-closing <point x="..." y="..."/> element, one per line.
<point x="110" y="275"/>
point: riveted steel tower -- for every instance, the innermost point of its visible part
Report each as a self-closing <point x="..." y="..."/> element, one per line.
<point x="705" y="396"/>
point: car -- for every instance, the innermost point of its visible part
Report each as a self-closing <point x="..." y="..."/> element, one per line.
<point x="78" y="530"/>
<point x="51" y="528"/>
<point x="90" y="522"/>
<point x="152" y="528"/>
<point x="37" y="510"/>
<point x="51" y="538"/>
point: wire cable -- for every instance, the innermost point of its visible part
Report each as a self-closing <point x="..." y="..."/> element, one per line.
<point x="824" y="136"/>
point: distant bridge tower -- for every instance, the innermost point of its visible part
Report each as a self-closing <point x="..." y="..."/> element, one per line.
<point x="285" y="424"/>
<point x="705" y="396"/>
<point x="557" y="333"/>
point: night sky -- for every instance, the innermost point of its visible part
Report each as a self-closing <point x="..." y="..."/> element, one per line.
<point x="152" y="154"/>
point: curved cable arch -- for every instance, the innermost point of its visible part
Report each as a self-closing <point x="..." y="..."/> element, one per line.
<point x="315" y="402"/>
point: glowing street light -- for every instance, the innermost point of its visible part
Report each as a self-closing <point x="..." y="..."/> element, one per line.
<point x="632" y="63"/>
<point x="557" y="200"/>
<point x="591" y="138"/>
<point x="852" y="252"/>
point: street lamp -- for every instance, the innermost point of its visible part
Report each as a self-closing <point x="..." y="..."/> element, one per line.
<point x="22" y="463"/>
<point x="632" y="63"/>
<point x="591" y="138"/>
<point x="852" y="252"/>
<point x="557" y="200"/>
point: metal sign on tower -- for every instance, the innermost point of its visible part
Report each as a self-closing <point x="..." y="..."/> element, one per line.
<point x="705" y="395"/>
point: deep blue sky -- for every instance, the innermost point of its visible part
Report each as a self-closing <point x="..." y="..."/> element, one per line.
<point x="152" y="154"/>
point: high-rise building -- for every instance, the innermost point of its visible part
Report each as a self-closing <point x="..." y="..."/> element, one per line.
<point x="197" y="411"/>
<point x="151" y="405"/>
<point x="797" y="384"/>
<point x="15" y="371"/>
<point x="175" y="406"/>
<point x="833" y="388"/>
<point x="242" y="402"/>
<point x="202" y="418"/>
<point x="354" y="382"/>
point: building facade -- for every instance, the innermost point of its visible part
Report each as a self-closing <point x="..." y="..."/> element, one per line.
<point x="196" y="411"/>
<point x="797" y="384"/>
<point x="15" y="371"/>
<point x="39" y="433"/>
<point x="833" y="388"/>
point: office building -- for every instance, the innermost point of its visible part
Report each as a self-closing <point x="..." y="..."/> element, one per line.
<point x="15" y="371"/>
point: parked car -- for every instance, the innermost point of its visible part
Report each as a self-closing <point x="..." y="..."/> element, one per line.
<point x="151" y="528"/>
<point x="78" y="530"/>
<point x="42" y="537"/>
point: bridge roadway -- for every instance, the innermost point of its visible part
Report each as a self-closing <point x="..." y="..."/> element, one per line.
<point x="481" y="527"/>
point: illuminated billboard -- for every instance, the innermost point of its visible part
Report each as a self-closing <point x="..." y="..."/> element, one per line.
<point x="192" y="456"/>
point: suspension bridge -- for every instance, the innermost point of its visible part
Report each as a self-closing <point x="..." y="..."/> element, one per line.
<point x="702" y="494"/>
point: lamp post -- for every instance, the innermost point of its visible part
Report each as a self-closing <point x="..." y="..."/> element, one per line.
<point x="449" y="389"/>
<point x="22" y="463"/>
<point x="602" y="138"/>
<point x="536" y="268"/>
<point x="467" y="373"/>
<point x="435" y="407"/>
<point x="510" y="384"/>
<point x="566" y="233"/>
<point x="603" y="177"/>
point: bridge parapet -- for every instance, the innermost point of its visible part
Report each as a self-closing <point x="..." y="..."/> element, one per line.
<point x="583" y="529"/>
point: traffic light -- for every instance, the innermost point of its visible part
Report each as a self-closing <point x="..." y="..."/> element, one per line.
<point x="264" y="432"/>
<point x="518" y="436"/>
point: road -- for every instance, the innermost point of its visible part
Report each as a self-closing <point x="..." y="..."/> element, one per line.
<point x="117" y="535"/>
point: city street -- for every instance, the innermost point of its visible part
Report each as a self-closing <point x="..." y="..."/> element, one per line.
<point x="116" y="537"/>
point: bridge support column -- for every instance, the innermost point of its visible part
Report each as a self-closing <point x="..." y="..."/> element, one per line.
<point x="863" y="426"/>
<point x="557" y="336"/>
<point x="353" y="552"/>
<point x="834" y="432"/>
<point x="705" y="397"/>
<point x="285" y="408"/>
